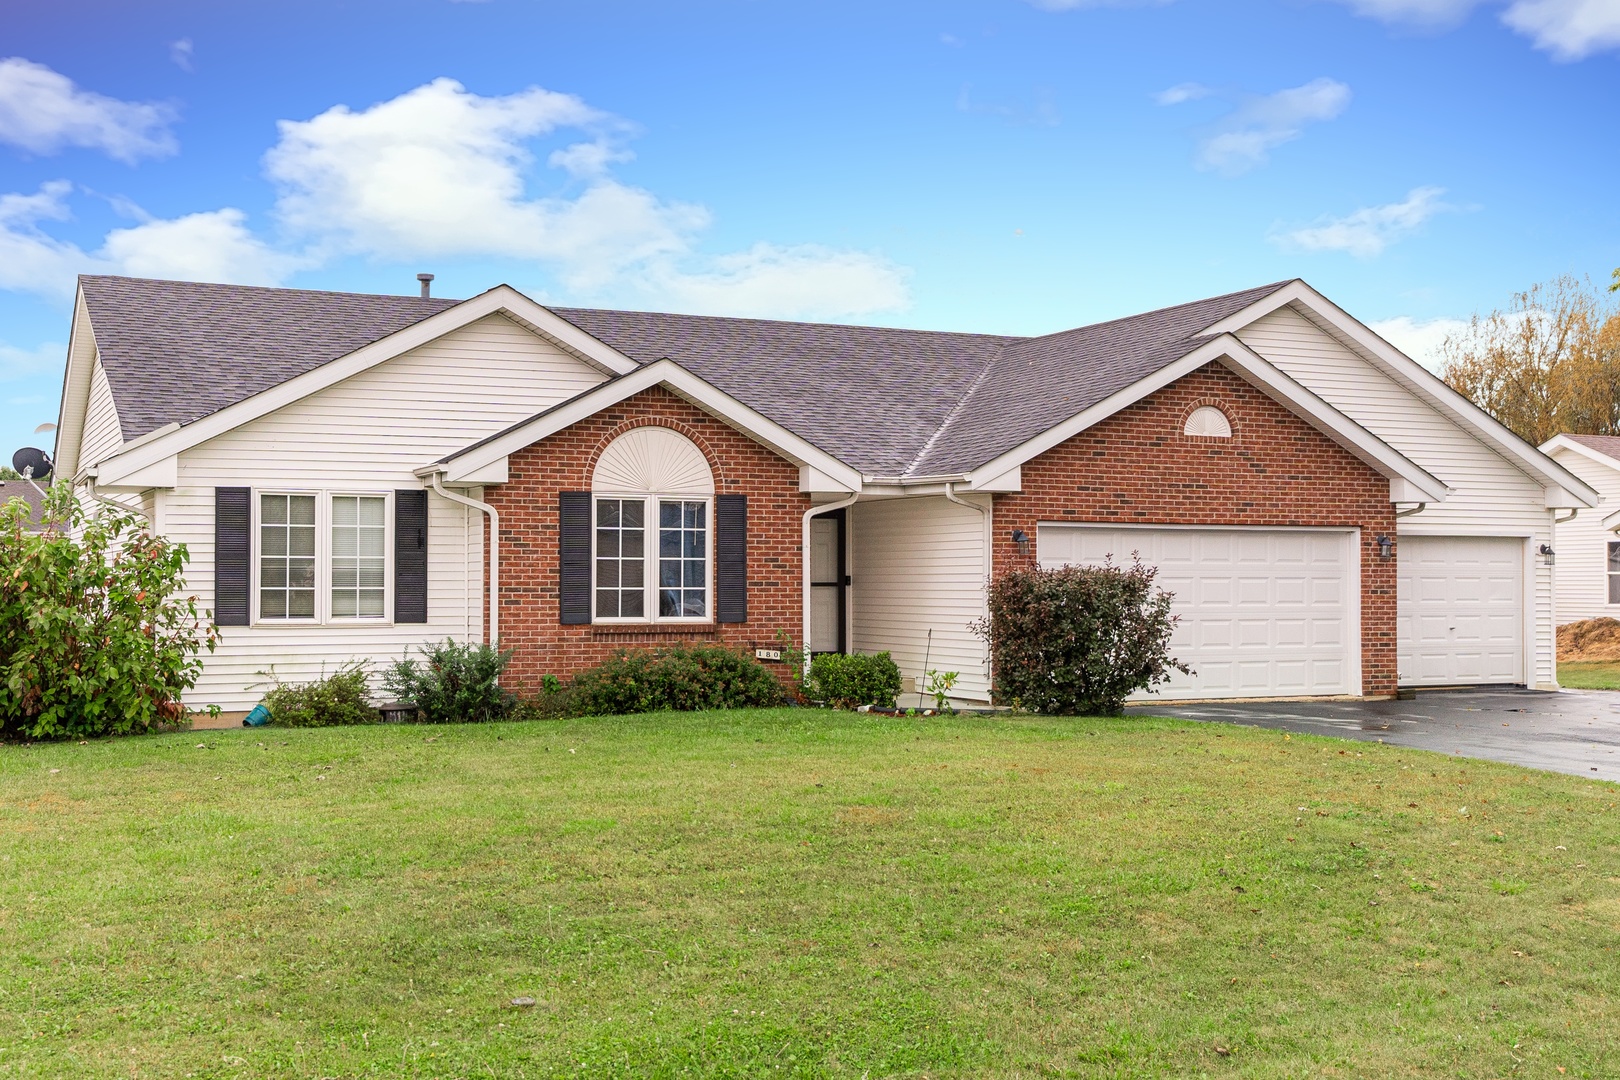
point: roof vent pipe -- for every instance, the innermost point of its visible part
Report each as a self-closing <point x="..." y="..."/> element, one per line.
<point x="427" y="284"/>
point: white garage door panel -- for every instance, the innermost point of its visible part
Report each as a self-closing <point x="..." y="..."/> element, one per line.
<point x="1264" y="613"/>
<point x="1460" y="601"/>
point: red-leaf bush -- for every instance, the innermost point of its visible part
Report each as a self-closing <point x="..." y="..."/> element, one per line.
<point x="1079" y="640"/>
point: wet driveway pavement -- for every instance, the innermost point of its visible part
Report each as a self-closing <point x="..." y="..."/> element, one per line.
<point x="1569" y="731"/>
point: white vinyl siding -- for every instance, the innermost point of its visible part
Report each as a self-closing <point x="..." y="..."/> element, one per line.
<point x="367" y="434"/>
<point x="1490" y="496"/>
<point x="102" y="434"/>
<point x="918" y="565"/>
<point x="1582" y="544"/>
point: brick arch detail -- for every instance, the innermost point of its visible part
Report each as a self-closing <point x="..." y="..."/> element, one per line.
<point x="1227" y="409"/>
<point x="658" y="420"/>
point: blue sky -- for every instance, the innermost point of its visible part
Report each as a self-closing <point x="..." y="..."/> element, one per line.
<point x="993" y="165"/>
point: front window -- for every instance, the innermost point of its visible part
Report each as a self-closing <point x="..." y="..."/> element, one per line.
<point x="676" y="548"/>
<point x="287" y="556"/>
<point x="1614" y="573"/>
<point x="322" y="557"/>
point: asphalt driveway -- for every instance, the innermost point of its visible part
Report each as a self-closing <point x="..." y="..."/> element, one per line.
<point x="1569" y="731"/>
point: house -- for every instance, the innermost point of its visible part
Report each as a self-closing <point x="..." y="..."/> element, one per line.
<point x="356" y="474"/>
<point x="28" y="493"/>
<point x="1588" y="550"/>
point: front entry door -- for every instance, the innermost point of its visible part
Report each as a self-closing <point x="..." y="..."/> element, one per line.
<point x="827" y="581"/>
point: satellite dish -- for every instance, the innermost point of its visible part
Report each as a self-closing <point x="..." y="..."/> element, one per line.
<point x="43" y="428"/>
<point x="31" y="463"/>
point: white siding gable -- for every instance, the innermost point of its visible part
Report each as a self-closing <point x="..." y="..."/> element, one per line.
<point x="102" y="433"/>
<point x="368" y="433"/>
<point x="1583" y="544"/>
<point x="1490" y="496"/>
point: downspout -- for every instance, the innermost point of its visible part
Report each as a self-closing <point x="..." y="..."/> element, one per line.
<point x="1418" y="509"/>
<point x="494" y="553"/>
<point x="989" y="545"/>
<point x="1572" y="512"/>
<point x="804" y="575"/>
<point x="90" y="488"/>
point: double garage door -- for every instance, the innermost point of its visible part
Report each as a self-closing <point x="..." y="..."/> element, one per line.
<point x="1264" y="612"/>
<point x="1275" y="612"/>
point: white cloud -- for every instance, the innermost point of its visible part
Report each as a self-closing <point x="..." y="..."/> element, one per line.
<point x="1369" y="230"/>
<point x="1187" y="91"/>
<point x="1421" y="340"/>
<point x="1569" y="29"/>
<point x="18" y="363"/>
<point x="43" y="112"/>
<point x="441" y="171"/>
<point x="214" y="245"/>
<point x="1428" y="13"/>
<point x="181" y="53"/>
<point x="1245" y="137"/>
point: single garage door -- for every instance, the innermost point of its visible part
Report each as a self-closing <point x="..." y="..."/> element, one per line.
<point x="1264" y="612"/>
<point x="1460" y="601"/>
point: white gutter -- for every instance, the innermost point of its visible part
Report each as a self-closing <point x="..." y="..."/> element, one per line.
<point x="804" y="548"/>
<point x="494" y="552"/>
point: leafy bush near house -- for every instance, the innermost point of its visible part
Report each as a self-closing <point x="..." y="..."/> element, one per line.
<point x="97" y="636"/>
<point x="453" y="683"/>
<point x="343" y="697"/>
<point x="1080" y="639"/>
<point x="682" y="677"/>
<point x="853" y="680"/>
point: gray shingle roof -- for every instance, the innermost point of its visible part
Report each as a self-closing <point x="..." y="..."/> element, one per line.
<point x="1607" y="445"/>
<point x="22" y="489"/>
<point x="176" y="351"/>
<point x="889" y="402"/>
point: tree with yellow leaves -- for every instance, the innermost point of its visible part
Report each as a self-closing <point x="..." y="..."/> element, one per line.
<point x="1548" y="364"/>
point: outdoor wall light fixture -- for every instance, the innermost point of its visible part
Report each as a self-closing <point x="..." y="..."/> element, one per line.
<point x="1548" y="555"/>
<point x="1021" y="538"/>
<point x="1386" y="546"/>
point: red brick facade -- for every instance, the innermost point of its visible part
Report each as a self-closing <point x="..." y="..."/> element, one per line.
<point x="1137" y="467"/>
<point x="529" y="554"/>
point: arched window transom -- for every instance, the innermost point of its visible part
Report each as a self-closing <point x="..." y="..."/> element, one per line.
<point x="652" y="542"/>
<point x="1208" y="422"/>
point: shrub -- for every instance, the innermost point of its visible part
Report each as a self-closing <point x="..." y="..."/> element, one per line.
<point x="1080" y="639"/>
<point x="344" y="697"/>
<point x="682" y="677"/>
<point x="453" y="683"/>
<point x="96" y="635"/>
<point x="853" y="680"/>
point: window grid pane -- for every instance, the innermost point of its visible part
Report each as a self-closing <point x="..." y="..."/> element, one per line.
<point x="683" y="549"/>
<point x="286" y="556"/>
<point x="621" y="559"/>
<point x="359" y="565"/>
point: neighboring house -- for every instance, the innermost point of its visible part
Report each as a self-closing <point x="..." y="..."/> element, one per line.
<point x="1324" y="508"/>
<point x="28" y="493"/>
<point x="1588" y="550"/>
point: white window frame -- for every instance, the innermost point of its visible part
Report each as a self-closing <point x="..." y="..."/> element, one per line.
<point x="323" y="559"/>
<point x="649" y="541"/>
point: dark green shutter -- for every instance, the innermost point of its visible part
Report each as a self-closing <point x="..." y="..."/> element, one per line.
<point x="731" y="558"/>
<point x="574" y="542"/>
<point x="410" y="556"/>
<point x="233" y="551"/>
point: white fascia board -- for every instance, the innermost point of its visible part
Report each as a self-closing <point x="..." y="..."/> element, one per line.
<point x="1564" y="442"/>
<point x="812" y="479"/>
<point x="1011" y="480"/>
<point x="81" y="362"/>
<point x="1611" y="523"/>
<point x="501" y="300"/>
<point x="1254" y="369"/>
<point x="1416" y="378"/>
<point x="677" y="380"/>
<point x="159" y="474"/>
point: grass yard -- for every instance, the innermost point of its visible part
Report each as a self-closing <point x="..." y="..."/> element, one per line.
<point x="798" y="893"/>
<point x="1589" y="674"/>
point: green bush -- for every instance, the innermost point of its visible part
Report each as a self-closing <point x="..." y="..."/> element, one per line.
<point x="453" y="683"/>
<point x="682" y="677"/>
<point x="1079" y="640"/>
<point x="343" y="697"/>
<point x="96" y="634"/>
<point x="850" y="681"/>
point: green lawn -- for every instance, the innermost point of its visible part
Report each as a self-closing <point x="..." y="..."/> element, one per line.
<point x="1589" y="675"/>
<point x="799" y="893"/>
